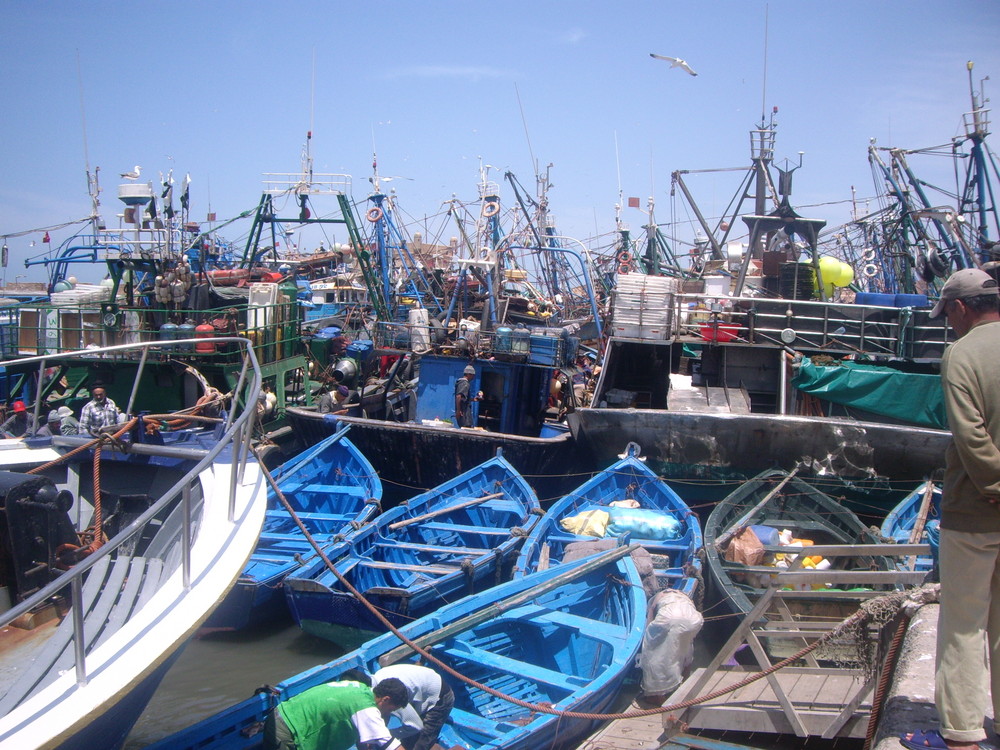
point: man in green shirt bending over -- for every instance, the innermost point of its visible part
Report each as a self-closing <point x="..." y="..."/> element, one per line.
<point x="336" y="716"/>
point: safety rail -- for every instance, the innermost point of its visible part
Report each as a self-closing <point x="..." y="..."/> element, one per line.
<point x="539" y="346"/>
<point x="276" y="183"/>
<point x="236" y="433"/>
<point x="47" y="329"/>
<point x="895" y="332"/>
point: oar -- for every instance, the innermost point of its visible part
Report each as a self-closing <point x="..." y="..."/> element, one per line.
<point x="721" y="540"/>
<point x="918" y="525"/>
<point x="442" y="511"/>
<point x="496" y="609"/>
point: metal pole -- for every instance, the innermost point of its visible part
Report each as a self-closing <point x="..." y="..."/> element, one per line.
<point x="186" y="544"/>
<point x="138" y="377"/>
<point x="38" y="397"/>
<point x="782" y="383"/>
<point x="79" y="647"/>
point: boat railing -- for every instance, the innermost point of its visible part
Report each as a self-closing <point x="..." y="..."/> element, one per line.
<point x="277" y="183"/>
<point x="234" y="436"/>
<point x="538" y="346"/>
<point x="47" y="329"/>
<point x="807" y="325"/>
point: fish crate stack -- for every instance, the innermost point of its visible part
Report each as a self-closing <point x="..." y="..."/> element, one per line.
<point x="643" y="307"/>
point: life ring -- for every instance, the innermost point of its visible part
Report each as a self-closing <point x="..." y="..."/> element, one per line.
<point x="870" y="270"/>
<point x="868" y="255"/>
<point x="491" y="208"/>
<point x="623" y="268"/>
<point x="624" y="256"/>
<point x="374" y="214"/>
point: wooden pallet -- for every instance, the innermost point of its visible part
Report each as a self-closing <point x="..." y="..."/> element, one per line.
<point x="814" y="699"/>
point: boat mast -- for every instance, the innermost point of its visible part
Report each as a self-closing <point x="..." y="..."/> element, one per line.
<point x="977" y="197"/>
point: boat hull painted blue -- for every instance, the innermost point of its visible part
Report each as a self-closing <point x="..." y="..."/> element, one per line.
<point x="414" y="568"/>
<point x="676" y="560"/>
<point x="571" y="646"/>
<point x="333" y="489"/>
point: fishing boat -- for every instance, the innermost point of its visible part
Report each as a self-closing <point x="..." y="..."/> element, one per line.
<point x="400" y="451"/>
<point x="764" y="353"/>
<point x="564" y="638"/>
<point x="648" y="513"/>
<point x="423" y="553"/>
<point x="436" y="329"/>
<point x="786" y="514"/>
<point x="913" y="520"/>
<point x="332" y="490"/>
<point x="115" y="550"/>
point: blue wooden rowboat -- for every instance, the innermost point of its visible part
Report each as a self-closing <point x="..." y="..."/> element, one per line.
<point x="334" y="490"/>
<point x="566" y="636"/>
<point x="676" y="561"/>
<point x="419" y="555"/>
<point x="902" y="519"/>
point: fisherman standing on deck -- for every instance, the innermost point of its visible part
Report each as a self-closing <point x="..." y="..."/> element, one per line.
<point x="463" y="404"/>
<point x="969" y="620"/>
<point x="99" y="412"/>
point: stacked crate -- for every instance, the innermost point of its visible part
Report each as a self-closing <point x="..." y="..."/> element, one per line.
<point x="643" y="307"/>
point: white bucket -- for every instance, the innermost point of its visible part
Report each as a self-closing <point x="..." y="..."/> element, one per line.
<point x="420" y="332"/>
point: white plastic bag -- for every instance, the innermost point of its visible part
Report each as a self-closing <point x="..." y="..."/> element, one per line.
<point x="668" y="643"/>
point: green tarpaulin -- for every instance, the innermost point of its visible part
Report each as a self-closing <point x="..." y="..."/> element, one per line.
<point x="911" y="397"/>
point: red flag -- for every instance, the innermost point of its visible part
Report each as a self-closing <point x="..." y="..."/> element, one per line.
<point x="46" y="238"/>
<point x="633" y="203"/>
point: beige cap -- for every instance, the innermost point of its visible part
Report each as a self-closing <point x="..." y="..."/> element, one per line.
<point x="968" y="282"/>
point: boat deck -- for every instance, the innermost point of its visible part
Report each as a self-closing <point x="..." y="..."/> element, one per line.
<point x="684" y="396"/>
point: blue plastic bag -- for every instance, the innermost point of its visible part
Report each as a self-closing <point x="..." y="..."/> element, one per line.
<point x="643" y="524"/>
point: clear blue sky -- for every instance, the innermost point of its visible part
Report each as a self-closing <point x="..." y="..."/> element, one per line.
<point x="224" y="91"/>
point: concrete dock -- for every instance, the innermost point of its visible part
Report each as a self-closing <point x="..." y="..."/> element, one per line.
<point x="909" y="703"/>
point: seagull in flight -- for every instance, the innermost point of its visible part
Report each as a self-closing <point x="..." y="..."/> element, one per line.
<point x="134" y="174"/>
<point x="675" y="62"/>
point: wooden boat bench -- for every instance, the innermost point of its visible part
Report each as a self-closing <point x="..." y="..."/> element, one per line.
<point x="435" y="569"/>
<point x="112" y="591"/>
<point x="480" y="723"/>
<point x="589" y="627"/>
<point x="329" y="489"/>
<point x="496" y="662"/>
<point x="464" y="528"/>
<point x="418" y="547"/>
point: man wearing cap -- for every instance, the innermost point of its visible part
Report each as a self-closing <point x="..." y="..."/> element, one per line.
<point x="463" y="410"/>
<point x="18" y="424"/>
<point x="969" y="620"/>
<point x="51" y="426"/>
<point x="68" y="424"/>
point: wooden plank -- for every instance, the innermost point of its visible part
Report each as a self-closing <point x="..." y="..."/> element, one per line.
<point x="434" y="569"/>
